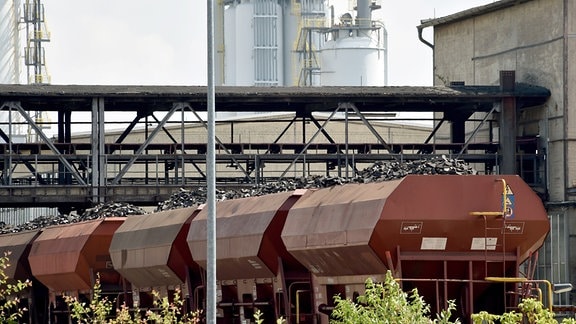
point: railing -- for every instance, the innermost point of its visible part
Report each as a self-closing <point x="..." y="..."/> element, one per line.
<point x="35" y="166"/>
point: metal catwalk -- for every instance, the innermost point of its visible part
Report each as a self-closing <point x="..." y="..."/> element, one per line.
<point x="160" y="143"/>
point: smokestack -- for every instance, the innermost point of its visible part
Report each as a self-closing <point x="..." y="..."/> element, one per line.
<point x="364" y="13"/>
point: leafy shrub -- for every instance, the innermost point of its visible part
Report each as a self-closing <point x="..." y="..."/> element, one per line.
<point x="387" y="303"/>
<point x="9" y="311"/>
<point x="96" y="312"/>
<point x="99" y="311"/>
<point x="531" y="312"/>
<point x="258" y="318"/>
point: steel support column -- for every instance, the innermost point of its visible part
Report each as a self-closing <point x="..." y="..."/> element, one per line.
<point x="508" y="124"/>
<point x="99" y="169"/>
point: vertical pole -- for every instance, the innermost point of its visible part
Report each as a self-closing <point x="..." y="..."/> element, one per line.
<point x="37" y="43"/>
<point x="508" y="123"/>
<point x="9" y="168"/>
<point x="445" y="284"/>
<point x="458" y="133"/>
<point x="470" y="297"/>
<point x="182" y="151"/>
<point x="95" y="179"/>
<point x="102" y="165"/>
<point x="98" y="151"/>
<point x="346" y="139"/>
<point x="211" y="177"/>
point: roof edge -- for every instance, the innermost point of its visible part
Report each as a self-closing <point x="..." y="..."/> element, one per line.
<point x="470" y="13"/>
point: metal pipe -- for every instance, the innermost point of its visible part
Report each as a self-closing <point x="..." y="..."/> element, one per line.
<point x="525" y="280"/>
<point x="9" y="145"/>
<point x="421" y="38"/>
<point x="298" y="292"/>
<point x="253" y="304"/>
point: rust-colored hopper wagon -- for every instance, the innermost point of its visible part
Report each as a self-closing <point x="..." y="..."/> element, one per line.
<point x="254" y="269"/>
<point x="16" y="246"/>
<point x="442" y="234"/>
<point x="151" y="253"/>
<point x="68" y="258"/>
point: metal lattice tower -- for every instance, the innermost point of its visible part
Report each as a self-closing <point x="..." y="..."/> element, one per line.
<point x="36" y="34"/>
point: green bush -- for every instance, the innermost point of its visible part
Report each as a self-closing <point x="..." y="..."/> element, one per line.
<point x="9" y="311"/>
<point x="531" y="312"/>
<point x="387" y="303"/>
<point x="99" y="311"/>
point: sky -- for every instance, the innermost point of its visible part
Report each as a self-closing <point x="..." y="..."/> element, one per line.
<point x="150" y="42"/>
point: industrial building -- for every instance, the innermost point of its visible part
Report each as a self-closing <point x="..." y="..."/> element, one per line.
<point x="501" y="101"/>
<point x="536" y="40"/>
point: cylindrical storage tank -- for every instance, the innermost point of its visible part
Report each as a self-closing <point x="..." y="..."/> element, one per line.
<point x="253" y="53"/>
<point x="353" y="61"/>
<point x="9" y="42"/>
<point x="10" y="72"/>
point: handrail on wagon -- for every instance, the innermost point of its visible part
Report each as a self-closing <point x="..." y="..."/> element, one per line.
<point x="524" y="280"/>
<point x="504" y="204"/>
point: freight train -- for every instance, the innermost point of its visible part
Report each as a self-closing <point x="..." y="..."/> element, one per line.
<point x="288" y="254"/>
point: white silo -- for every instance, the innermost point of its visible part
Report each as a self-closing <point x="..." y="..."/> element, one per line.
<point x="356" y="52"/>
<point x="253" y="33"/>
<point x="297" y="43"/>
<point x="267" y="43"/>
<point x="12" y="41"/>
<point x="10" y="71"/>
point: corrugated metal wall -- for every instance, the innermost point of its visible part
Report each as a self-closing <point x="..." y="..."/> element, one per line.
<point x="553" y="262"/>
<point x="267" y="23"/>
<point x="16" y="216"/>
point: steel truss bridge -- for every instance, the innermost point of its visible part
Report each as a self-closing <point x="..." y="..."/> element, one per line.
<point x="70" y="171"/>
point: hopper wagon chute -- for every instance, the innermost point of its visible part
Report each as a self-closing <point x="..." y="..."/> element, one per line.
<point x="150" y="252"/>
<point x="254" y="269"/>
<point x="16" y="247"/>
<point x="440" y="233"/>
<point x="68" y="258"/>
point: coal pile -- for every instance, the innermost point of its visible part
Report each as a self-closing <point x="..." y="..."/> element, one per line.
<point x="293" y="184"/>
<point x="113" y="209"/>
<point x="187" y="198"/>
<point x="35" y="224"/>
<point x="379" y="171"/>
<point x="190" y="198"/>
<point x="99" y="211"/>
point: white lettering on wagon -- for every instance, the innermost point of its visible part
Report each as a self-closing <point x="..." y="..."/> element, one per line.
<point x="513" y="228"/>
<point x="411" y="228"/>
